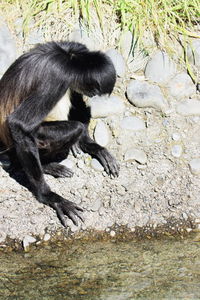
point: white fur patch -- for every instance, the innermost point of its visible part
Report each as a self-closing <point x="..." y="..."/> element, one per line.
<point x="61" y="109"/>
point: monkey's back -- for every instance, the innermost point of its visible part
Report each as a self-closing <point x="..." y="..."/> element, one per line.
<point x="13" y="90"/>
<point x="30" y="73"/>
<point x="48" y="70"/>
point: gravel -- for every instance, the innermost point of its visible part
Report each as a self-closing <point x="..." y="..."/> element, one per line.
<point x="155" y="139"/>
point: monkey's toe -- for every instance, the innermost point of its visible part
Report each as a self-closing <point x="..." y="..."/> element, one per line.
<point x="57" y="170"/>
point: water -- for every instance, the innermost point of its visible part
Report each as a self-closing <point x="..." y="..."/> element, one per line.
<point x="150" y="269"/>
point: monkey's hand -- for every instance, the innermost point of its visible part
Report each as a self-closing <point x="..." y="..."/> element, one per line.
<point x="109" y="162"/>
<point x="63" y="208"/>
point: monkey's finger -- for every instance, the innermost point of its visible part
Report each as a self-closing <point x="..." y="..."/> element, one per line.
<point x="76" y="151"/>
<point x="111" y="167"/>
<point x="78" y="208"/>
<point x="73" y="211"/>
<point x="115" y="169"/>
<point x="61" y="215"/>
<point x="104" y="164"/>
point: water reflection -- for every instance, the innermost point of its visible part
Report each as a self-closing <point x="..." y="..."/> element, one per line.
<point x="151" y="269"/>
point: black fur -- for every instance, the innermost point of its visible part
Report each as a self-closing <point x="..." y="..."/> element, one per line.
<point x="35" y="82"/>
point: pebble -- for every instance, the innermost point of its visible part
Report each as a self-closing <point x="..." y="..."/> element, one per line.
<point x="185" y="216"/>
<point x="144" y="94"/>
<point x="194" y="165"/>
<point x="81" y="164"/>
<point x="176" y="136"/>
<point x="104" y="106"/>
<point x="160" y="68"/>
<point x="112" y="233"/>
<point x="177" y="150"/>
<point x="95" y="164"/>
<point x="28" y="239"/>
<point x="136" y="154"/>
<point x="141" y="167"/>
<point x="101" y="134"/>
<point x="96" y="205"/>
<point x="189" y="107"/>
<point x="132" y="123"/>
<point x="181" y="86"/>
<point x="118" y="61"/>
<point x="46" y="237"/>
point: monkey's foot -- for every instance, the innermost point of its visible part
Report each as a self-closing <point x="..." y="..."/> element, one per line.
<point x="57" y="170"/>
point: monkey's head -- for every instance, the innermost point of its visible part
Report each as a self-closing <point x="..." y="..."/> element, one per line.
<point x="94" y="74"/>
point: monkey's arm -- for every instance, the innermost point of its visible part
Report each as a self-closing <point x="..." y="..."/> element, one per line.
<point x="23" y="123"/>
<point x="81" y="112"/>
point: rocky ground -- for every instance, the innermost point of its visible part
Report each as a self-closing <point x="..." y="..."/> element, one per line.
<point x="151" y="124"/>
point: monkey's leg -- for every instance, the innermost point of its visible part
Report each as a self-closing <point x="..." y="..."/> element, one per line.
<point x="24" y="123"/>
<point x="54" y="139"/>
<point x="107" y="160"/>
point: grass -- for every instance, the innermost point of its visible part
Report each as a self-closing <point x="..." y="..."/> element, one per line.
<point x="165" y="20"/>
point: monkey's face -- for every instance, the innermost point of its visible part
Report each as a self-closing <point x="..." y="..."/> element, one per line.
<point x="89" y="90"/>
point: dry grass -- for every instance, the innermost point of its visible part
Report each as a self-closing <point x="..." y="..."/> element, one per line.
<point x="165" y="21"/>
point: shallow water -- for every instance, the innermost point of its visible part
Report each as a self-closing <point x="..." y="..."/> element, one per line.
<point x="150" y="269"/>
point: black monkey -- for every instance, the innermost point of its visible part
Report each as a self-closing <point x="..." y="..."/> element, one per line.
<point x="34" y="111"/>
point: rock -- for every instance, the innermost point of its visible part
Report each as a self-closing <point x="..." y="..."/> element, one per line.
<point x="27" y="241"/>
<point x="95" y="164"/>
<point x="132" y="123"/>
<point x="96" y="204"/>
<point x="19" y="27"/>
<point x="105" y="106"/>
<point x="135" y="57"/>
<point x="193" y="53"/>
<point x="194" y="165"/>
<point x="176" y="136"/>
<point x="144" y="94"/>
<point x="181" y="86"/>
<point x="81" y="35"/>
<point x="35" y="37"/>
<point x="101" y="134"/>
<point x="126" y="44"/>
<point x="68" y="163"/>
<point x="160" y="68"/>
<point x="138" y="61"/>
<point x="177" y="150"/>
<point x="135" y="154"/>
<point x="118" y="61"/>
<point x="189" y="107"/>
<point x="7" y="48"/>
